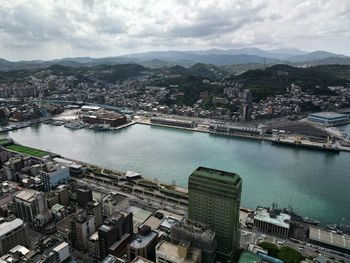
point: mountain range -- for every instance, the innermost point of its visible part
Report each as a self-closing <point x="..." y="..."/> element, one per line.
<point x="218" y="57"/>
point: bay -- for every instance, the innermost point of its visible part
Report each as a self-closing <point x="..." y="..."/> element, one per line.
<point x="315" y="183"/>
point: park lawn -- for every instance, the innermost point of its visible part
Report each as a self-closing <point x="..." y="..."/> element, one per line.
<point x="26" y="150"/>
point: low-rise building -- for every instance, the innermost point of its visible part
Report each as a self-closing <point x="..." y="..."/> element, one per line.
<point x="173" y="122"/>
<point x="13" y="233"/>
<point x="105" y="117"/>
<point x="199" y="235"/>
<point x="272" y="222"/>
<point x="59" y="253"/>
<point x="329" y="118"/>
<point x="144" y="244"/>
<point x="54" y="175"/>
<point x="183" y="252"/>
<point x="114" y="203"/>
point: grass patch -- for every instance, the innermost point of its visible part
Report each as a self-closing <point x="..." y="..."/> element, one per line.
<point x="26" y="150"/>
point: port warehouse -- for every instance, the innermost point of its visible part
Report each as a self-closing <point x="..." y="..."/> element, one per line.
<point x="173" y="122"/>
<point x="329" y="118"/>
<point x="331" y="240"/>
<point x="104" y="117"/>
<point x="234" y="129"/>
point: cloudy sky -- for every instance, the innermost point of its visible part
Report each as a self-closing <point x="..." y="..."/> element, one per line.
<point x="47" y="29"/>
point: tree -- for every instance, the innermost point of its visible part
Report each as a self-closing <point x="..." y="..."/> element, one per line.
<point x="272" y="249"/>
<point x="289" y="255"/>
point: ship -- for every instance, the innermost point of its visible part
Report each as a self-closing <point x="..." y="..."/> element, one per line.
<point x="298" y="143"/>
<point x="296" y="217"/>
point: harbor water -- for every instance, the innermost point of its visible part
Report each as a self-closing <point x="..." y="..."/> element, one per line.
<point x="315" y="184"/>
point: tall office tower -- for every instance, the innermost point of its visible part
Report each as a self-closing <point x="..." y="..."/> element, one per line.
<point x="214" y="199"/>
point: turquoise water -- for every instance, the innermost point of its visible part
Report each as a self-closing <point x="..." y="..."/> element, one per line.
<point x="314" y="183"/>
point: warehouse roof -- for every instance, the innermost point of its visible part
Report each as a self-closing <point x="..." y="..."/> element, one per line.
<point x="281" y="219"/>
<point x="329" y="238"/>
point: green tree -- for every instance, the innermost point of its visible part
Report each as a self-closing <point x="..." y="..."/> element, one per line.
<point x="289" y="255"/>
<point x="272" y="249"/>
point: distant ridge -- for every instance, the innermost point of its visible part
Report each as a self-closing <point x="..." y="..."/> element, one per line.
<point x="217" y="57"/>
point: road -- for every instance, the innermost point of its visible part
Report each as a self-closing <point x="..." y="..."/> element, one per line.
<point x="139" y="199"/>
<point x="308" y="250"/>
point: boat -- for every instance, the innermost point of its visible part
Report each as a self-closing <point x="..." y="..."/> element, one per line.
<point x="298" y="143"/>
<point x="58" y="123"/>
<point x="49" y="121"/>
<point x="75" y="125"/>
<point x="296" y="217"/>
<point x="101" y="127"/>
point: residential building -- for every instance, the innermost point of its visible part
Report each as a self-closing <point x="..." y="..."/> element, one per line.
<point x="63" y="194"/>
<point x="95" y="208"/>
<point x="94" y="248"/>
<point x="82" y="226"/>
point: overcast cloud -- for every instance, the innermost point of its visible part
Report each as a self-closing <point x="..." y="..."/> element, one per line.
<point x="46" y="29"/>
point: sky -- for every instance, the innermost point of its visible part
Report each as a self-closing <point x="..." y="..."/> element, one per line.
<point x="49" y="29"/>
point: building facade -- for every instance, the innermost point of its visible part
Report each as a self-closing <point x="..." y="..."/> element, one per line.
<point x="54" y="175"/>
<point x="183" y="252"/>
<point x="214" y="199"/>
<point x="329" y="118"/>
<point x="144" y="244"/>
<point x="13" y="233"/>
<point x="30" y="203"/>
<point x="82" y="226"/>
<point x="272" y="222"/>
